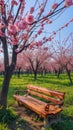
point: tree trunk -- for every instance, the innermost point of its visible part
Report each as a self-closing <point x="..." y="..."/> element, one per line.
<point x="5" y="88"/>
<point x="7" y="77"/>
<point x="19" y="70"/>
<point x="35" y="75"/>
<point x="58" y="73"/>
<point x="69" y="75"/>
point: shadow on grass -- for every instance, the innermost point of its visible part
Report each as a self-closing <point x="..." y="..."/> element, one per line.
<point x="12" y="121"/>
<point x="19" y="125"/>
<point x="65" y="124"/>
<point x="56" y="81"/>
<point x="49" y="79"/>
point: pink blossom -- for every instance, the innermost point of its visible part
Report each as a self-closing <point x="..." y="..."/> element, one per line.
<point x="14" y="40"/>
<point x="41" y="10"/>
<point x="1" y="34"/>
<point x="66" y="25"/>
<point x="17" y="26"/>
<point x="21" y="0"/>
<point x="24" y="36"/>
<point x="49" y="21"/>
<point x="21" y="46"/>
<point x="40" y="31"/>
<point x="39" y="43"/>
<point x="11" y="18"/>
<point x="1" y="50"/>
<point x="55" y="5"/>
<point x="29" y="19"/>
<point x="2" y="6"/>
<point x="54" y="33"/>
<point x="49" y="39"/>
<point x="49" y="13"/>
<point x="12" y="29"/>
<point x="42" y="24"/>
<point x="31" y="10"/>
<point x="68" y="3"/>
<point x="2" y="25"/>
<point x="35" y="35"/>
<point x="46" y="48"/>
<point x="72" y="20"/>
<point x="2" y="2"/>
<point x="22" y="24"/>
<point x="46" y="40"/>
<point x="45" y="19"/>
<point x="16" y="50"/>
<point x="13" y="2"/>
<point x="22" y="7"/>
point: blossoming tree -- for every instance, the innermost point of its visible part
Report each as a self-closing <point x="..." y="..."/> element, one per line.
<point x="63" y="56"/>
<point x="19" y="25"/>
<point x="36" y="58"/>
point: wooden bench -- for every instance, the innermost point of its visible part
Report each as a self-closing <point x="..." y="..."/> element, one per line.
<point x="49" y="108"/>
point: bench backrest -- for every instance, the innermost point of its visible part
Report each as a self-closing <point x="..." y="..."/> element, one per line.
<point x="55" y="97"/>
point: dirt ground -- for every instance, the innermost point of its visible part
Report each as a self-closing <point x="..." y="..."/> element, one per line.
<point x="32" y="120"/>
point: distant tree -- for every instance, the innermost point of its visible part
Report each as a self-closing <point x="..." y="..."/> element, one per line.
<point x="63" y="57"/>
<point x="36" y="59"/>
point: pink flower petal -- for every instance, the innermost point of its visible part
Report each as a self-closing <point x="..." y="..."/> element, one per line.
<point x="29" y="18"/>
<point x="1" y="34"/>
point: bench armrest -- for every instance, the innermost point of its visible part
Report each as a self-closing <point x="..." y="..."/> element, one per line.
<point x="51" y="107"/>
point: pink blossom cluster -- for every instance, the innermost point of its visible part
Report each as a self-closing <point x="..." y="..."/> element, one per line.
<point x="35" y="44"/>
<point x="55" y="5"/>
<point x="1" y="6"/>
<point x="2" y="25"/>
<point x="22" y="7"/>
<point x="24" y="36"/>
<point x="14" y="2"/>
<point x="31" y="10"/>
<point x="21" y="25"/>
<point x="46" y="20"/>
<point x="68" y="3"/>
<point x="1" y="34"/>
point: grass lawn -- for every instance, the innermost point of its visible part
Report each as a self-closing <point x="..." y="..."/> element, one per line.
<point x="49" y="81"/>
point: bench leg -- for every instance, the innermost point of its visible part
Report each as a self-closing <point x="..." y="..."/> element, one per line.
<point x="50" y="119"/>
<point x="20" y="104"/>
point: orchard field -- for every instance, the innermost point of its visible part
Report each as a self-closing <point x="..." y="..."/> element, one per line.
<point x="49" y="81"/>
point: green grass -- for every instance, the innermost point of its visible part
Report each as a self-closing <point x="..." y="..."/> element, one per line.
<point x="49" y="81"/>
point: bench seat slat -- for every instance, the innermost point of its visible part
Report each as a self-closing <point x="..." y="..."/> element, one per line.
<point x="32" y="104"/>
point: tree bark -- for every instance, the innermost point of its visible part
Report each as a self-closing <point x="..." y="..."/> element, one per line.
<point x="69" y="75"/>
<point x="35" y="75"/>
<point x="58" y="73"/>
<point x="5" y="88"/>
<point x="7" y="77"/>
<point x="19" y="71"/>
